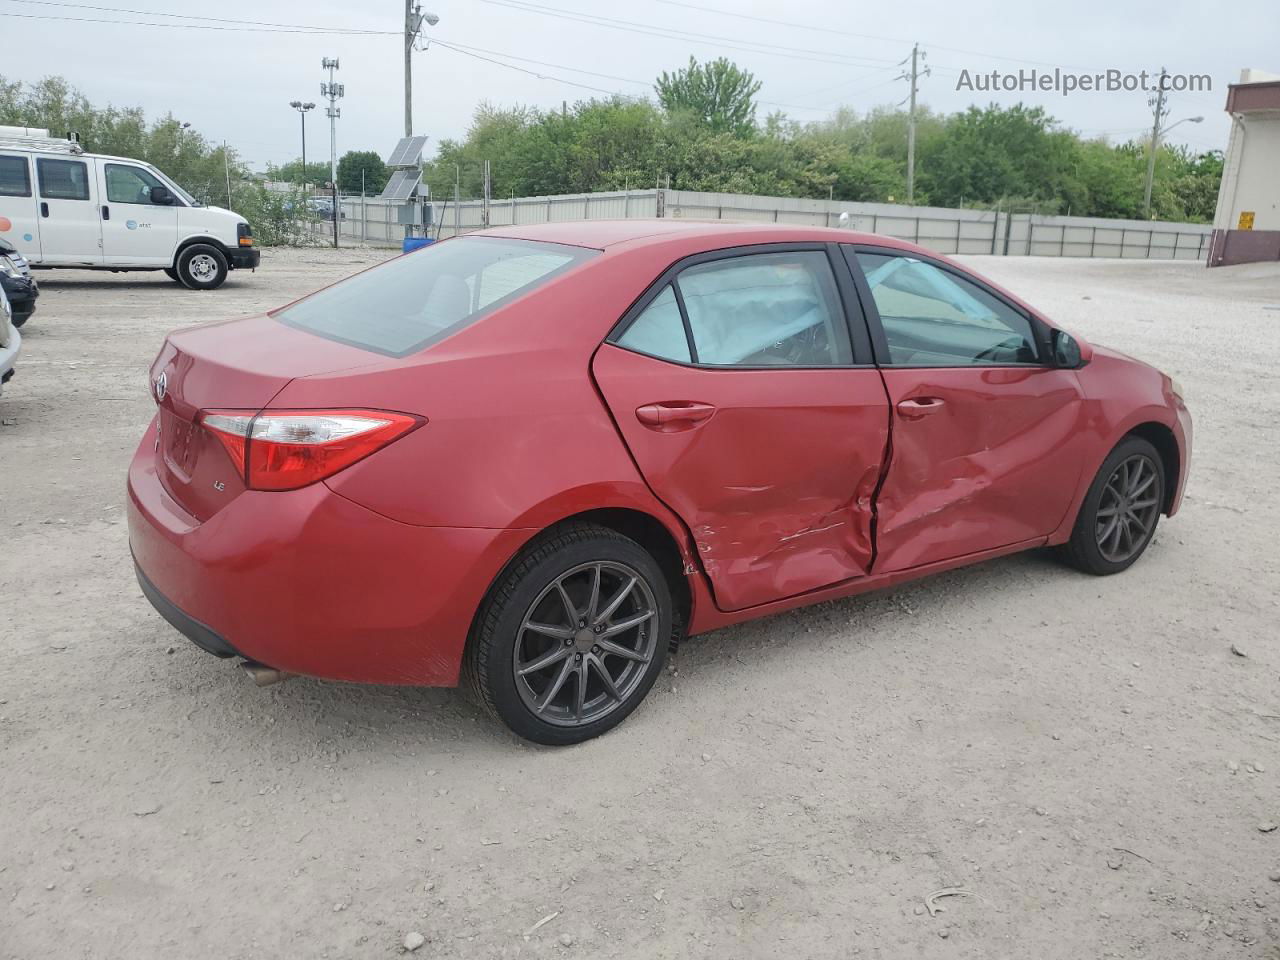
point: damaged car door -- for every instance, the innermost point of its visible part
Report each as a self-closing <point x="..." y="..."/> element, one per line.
<point x="988" y="433"/>
<point x="753" y="409"/>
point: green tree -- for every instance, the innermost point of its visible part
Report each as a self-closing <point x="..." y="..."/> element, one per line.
<point x="719" y="94"/>
<point x="361" y="170"/>
<point x="316" y="173"/>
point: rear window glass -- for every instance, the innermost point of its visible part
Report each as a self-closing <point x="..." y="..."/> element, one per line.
<point x="413" y="301"/>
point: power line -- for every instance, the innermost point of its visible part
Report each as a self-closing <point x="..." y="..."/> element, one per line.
<point x="192" y="26"/>
<point x="848" y="33"/>
<point x="687" y="36"/>
<point x="289" y="27"/>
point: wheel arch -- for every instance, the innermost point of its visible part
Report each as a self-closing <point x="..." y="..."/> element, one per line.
<point x="1161" y="437"/>
<point x="644" y="528"/>
<point x="199" y="239"/>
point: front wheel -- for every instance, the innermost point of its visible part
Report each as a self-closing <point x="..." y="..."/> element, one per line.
<point x="172" y="274"/>
<point x="202" y="267"/>
<point x="1119" y="514"/>
<point x="572" y="637"/>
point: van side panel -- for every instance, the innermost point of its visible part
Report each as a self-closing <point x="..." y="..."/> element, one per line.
<point x="18" y="204"/>
<point x="69" y="218"/>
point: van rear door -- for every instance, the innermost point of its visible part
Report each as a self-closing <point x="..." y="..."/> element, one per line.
<point x="18" y="205"/>
<point x="70" y="222"/>
<point x="135" y="231"/>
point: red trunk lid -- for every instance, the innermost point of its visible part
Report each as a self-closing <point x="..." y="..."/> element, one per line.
<point x="237" y="365"/>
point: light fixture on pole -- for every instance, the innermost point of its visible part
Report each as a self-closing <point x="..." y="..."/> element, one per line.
<point x="302" y="109"/>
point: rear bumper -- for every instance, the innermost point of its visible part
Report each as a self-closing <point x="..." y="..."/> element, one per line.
<point x="244" y="258"/>
<point x="189" y="627"/>
<point x="310" y="582"/>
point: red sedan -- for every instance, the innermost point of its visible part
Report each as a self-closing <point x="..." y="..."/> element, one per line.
<point x="541" y="456"/>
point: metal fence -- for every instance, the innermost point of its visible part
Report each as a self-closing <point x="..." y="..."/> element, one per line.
<point x="941" y="229"/>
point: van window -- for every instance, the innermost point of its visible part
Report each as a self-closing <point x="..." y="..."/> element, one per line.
<point x="63" y="179"/>
<point x="129" y="184"/>
<point x="15" y="177"/>
<point x="417" y="299"/>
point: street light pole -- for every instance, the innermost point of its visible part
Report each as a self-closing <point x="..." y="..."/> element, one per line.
<point x="302" y="109"/>
<point x="413" y="20"/>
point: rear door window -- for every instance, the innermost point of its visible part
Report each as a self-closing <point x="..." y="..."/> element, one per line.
<point x="15" y="177"/>
<point x="766" y="310"/>
<point x="63" y="179"/>
<point x="416" y="300"/>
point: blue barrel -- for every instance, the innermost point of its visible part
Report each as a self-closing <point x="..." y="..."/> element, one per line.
<point x="416" y="243"/>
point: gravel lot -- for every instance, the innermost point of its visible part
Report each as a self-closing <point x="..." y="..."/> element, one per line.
<point x="1087" y="757"/>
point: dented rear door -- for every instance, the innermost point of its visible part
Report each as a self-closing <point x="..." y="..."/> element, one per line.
<point x="769" y="440"/>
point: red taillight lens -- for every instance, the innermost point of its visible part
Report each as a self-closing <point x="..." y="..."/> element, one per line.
<point x="287" y="449"/>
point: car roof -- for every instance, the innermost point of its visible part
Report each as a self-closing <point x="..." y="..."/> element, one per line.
<point x="603" y="234"/>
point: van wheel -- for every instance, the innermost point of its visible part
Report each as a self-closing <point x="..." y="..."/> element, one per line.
<point x="172" y="274"/>
<point x="202" y="267"/>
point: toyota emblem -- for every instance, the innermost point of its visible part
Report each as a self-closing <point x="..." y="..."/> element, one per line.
<point x="162" y="385"/>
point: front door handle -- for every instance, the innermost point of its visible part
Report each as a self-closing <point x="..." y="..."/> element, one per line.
<point x="918" y="407"/>
<point x="44" y="209"/>
<point x="673" y="412"/>
<point x="106" y="212"/>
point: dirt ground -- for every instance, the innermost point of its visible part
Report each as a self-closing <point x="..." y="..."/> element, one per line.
<point x="1087" y="758"/>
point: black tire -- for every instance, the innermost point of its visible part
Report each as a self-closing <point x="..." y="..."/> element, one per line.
<point x="574" y="556"/>
<point x="1084" y="551"/>
<point x="172" y="274"/>
<point x="202" y="267"/>
<point x="18" y="321"/>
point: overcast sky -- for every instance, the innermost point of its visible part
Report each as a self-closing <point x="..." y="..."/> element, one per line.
<point x="236" y="84"/>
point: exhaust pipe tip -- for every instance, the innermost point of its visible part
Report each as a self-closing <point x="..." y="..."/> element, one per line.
<point x="262" y="675"/>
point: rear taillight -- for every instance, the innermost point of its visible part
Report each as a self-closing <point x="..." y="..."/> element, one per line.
<point x="287" y="449"/>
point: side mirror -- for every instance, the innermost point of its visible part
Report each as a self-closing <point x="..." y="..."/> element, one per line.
<point x="161" y="197"/>
<point x="1066" y="351"/>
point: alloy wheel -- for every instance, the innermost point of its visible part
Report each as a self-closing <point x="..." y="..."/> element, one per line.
<point x="584" y="644"/>
<point x="1128" y="509"/>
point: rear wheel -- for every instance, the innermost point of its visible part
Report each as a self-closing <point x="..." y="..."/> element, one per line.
<point x="202" y="267"/>
<point x="573" y="636"/>
<point x="1119" y="514"/>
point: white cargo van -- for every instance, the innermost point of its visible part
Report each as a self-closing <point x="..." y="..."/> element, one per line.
<point x="62" y="207"/>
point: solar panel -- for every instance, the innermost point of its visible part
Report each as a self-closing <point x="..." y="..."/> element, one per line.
<point x="401" y="185"/>
<point x="408" y="152"/>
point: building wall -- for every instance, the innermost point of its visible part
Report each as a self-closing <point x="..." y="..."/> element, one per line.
<point x="1250" y="175"/>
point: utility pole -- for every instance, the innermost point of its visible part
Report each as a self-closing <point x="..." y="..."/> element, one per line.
<point x="1160" y="112"/>
<point x="413" y="20"/>
<point x="917" y="59"/>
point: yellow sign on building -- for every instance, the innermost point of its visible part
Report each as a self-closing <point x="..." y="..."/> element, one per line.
<point x="1246" y="219"/>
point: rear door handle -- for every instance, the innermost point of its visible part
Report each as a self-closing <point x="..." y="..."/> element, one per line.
<point x="44" y="209"/>
<point x="674" y="411"/>
<point x="106" y="212"/>
<point x="917" y="407"/>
